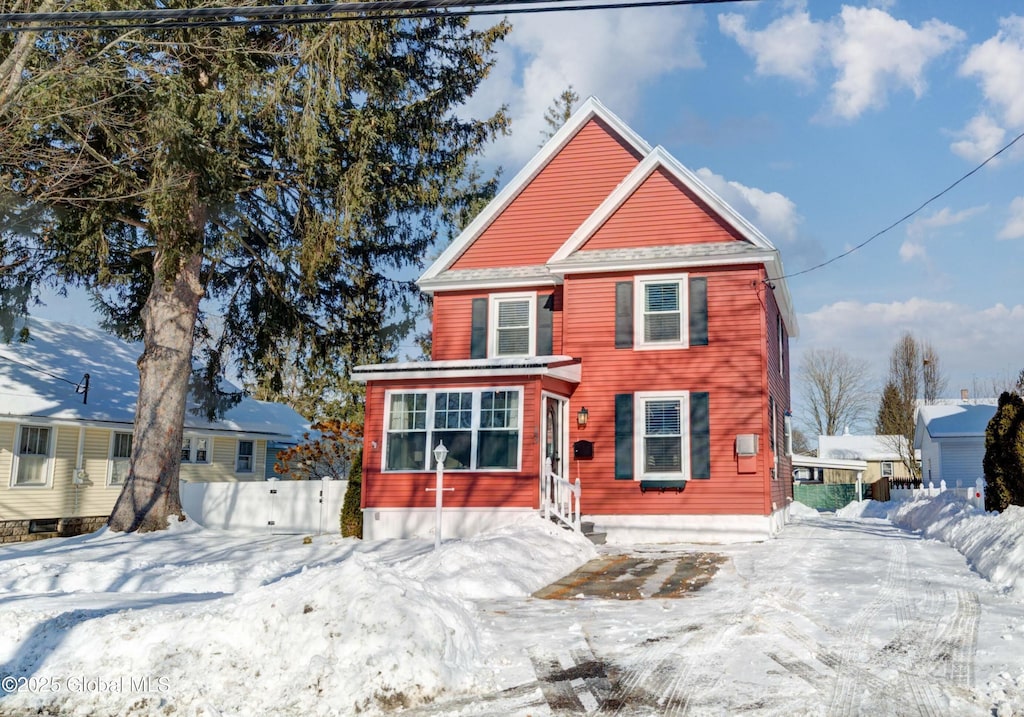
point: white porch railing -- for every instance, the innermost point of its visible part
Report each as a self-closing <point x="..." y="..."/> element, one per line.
<point x="975" y="493"/>
<point x="559" y="498"/>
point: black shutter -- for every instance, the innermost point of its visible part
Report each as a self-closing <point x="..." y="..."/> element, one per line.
<point x="624" y="436"/>
<point x="700" y="443"/>
<point x="699" y="311"/>
<point x="545" y="316"/>
<point x="624" y="315"/>
<point x="478" y="337"/>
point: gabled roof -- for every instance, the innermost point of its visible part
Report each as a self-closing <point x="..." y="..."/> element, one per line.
<point x="659" y="158"/>
<point x="865" y="448"/>
<point x="37" y="382"/>
<point x="752" y="247"/>
<point x="953" y="420"/>
<point x="590" y="109"/>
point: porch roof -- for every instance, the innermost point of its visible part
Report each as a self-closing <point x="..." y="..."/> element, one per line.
<point x="565" y="368"/>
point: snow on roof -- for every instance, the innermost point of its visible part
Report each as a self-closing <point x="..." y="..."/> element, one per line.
<point x="38" y="379"/>
<point x="865" y="448"/>
<point x="961" y="419"/>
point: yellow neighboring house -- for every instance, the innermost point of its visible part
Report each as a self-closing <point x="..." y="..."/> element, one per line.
<point x="882" y="454"/>
<point x="65" y="442"/>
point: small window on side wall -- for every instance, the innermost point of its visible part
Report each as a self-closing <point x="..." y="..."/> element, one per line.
<point x="33" y="458"/>
<point x="120" y="457"/>
<point x="887" y="469"/>
<point x="244" y="458"/>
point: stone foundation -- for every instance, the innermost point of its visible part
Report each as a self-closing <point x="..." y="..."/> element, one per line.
<point x="20" y="531"/>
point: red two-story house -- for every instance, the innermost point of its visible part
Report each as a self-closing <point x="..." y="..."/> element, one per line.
<point x="607" y="318"/>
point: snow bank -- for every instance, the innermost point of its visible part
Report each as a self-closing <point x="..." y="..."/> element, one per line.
<point x="992" y="543"/>
<point x="375" y="630"/>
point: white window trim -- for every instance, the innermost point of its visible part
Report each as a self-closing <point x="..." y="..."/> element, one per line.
<point x="492" y="322"/>
<point x="638" y="311"/>
<point x="477" y="391"/>
<point x="252" y="456"/>
<point x="892" y="469"/>
<point x="111" y="459"/>
<point x="50" y="442"/>
<point x="639" y="417"/>
<point x="193" y="445"/>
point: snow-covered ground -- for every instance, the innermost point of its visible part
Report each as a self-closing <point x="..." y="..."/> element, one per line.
<point x="882" y="609"/>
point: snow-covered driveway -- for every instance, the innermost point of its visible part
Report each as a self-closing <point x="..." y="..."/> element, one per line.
<point x="837" y="616"/>
<point x="834" y="617"/>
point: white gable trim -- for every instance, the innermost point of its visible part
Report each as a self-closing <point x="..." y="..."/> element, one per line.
<point x="590" y="109"/>
<point x="659" y="158"/>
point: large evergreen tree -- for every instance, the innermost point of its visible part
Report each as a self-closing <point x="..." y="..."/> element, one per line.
<point x="259" y="187"/>
<point x="1004" y="454"/>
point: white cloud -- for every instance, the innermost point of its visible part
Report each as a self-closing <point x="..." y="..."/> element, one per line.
<point x="611" y="55"/>
<point x="910" y="250"/>
<point x="773" y="213"/>
<point x="873" y="52"/>
<point x="997" y="63"/>
<point x="980" y="138"/>
<point x="790" y="47"/>
<point x="972" y="343"/>
<point x="876" y="53"/>
<point x="1014" y="227"/>
<point x="926" y="225"/>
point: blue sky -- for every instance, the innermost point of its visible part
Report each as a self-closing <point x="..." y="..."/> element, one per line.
<point x="822" y="123"/>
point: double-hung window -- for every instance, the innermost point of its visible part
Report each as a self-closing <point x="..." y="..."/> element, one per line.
<point x="195" y="449"/>
<point x="33" y="458"/>
<point x="662" y="311"/>
<point x="481" y="428"/>
<point x="663" y="433"/>
<point x="512" y="322"/>
<point x="886" y="469"/>
<point x="120" y="457"/>
<point x="243" y="457"/>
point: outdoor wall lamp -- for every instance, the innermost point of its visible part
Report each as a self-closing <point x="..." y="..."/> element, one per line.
<point x="581" y="417"/>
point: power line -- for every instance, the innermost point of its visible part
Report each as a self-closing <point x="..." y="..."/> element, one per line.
<point x="81" y="387"/>
<point x="904" y="217"/>
<point x="176" y="18"/>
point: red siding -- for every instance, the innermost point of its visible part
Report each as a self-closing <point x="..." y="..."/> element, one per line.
<point x="641" y="220"/>
<point x="555" y="203"/>
<point x="781" y="489"/>
<point x="453" y="320"/>
<point x="472" y="489"/>
<point x="730" y="369"/>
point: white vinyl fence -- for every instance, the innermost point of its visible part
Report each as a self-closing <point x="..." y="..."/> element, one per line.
<point x="974" y="493"/>
<point x="272" y="506"/>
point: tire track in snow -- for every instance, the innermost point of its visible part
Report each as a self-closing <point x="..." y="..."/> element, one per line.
<point x="846" y="691"/>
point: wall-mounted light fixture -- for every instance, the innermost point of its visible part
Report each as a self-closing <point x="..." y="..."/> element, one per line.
<point x="581" y="417"/>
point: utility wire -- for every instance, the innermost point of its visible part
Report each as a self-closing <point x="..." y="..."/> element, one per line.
<point x="904" y="217"/>
<point x="77" y="384"/>
<point x="175" y="18"/>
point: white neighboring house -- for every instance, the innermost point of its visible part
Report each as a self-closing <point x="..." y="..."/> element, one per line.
<point x="951" y="438"/>
<point x="64" y="453"/>
<point x="883" y="454"/>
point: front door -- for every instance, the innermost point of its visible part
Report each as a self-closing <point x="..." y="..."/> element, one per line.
<point x="554" y="433"/>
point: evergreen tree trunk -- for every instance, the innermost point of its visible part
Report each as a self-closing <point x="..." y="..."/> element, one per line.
<point x="150" y="495"/>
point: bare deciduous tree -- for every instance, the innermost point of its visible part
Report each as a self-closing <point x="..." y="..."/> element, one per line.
<point x="835" y="390"/>
<point x="914" y="373"/>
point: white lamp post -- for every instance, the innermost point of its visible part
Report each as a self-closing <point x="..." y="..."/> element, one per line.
<point x="440" y="453"/>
